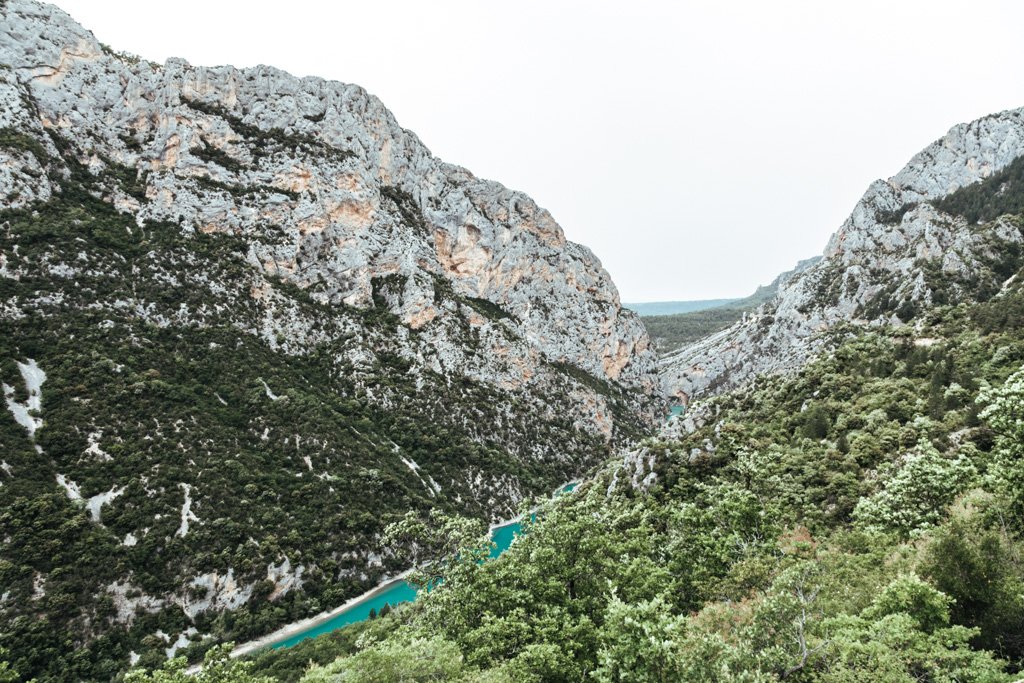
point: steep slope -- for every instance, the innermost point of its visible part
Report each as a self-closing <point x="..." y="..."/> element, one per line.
<point x="672" y="332"/>
<point x="245" y="321"/>
<point x="861" y="519"/>
<point x="907" y="245"/>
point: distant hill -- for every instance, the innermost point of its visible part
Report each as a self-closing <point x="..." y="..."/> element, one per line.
<point x="676" y="307"/>
<point x="671" y="331"/>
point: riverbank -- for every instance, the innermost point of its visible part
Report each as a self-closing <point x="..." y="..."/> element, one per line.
<point x="311" y="623"/>
<point x="315" y="625"/>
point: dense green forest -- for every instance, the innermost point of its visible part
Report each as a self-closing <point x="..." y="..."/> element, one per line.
<point x="861" y="520"/>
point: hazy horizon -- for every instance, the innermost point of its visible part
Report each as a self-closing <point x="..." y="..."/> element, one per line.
<point x="698" y="150"/>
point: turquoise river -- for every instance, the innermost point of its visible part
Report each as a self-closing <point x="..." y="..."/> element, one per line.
<point x="397" y="591"/>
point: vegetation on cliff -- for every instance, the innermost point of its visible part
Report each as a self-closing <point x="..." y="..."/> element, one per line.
<point x="219" y="453"/>
<point x="860" y="520"/>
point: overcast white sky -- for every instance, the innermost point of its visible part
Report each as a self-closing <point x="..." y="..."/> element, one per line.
<point x="699" y="148"/>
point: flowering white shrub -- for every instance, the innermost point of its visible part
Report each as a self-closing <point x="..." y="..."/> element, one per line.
<point x="915" y="491"/>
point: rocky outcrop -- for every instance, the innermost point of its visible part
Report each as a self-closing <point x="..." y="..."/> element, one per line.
<point x="896" y="253"/>
<point x="329" y="191"/>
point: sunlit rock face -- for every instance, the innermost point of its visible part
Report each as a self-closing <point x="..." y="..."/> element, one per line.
<point x="882" y="253"/>
<point x="328" y="189"/>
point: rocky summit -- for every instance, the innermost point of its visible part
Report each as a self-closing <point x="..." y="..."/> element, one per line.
<point x="329" y="192"/>
<point x="935" y="233"/>
<point x="246" y="320"/>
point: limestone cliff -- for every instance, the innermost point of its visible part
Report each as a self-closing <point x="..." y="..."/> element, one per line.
<point x="246" y="320"/>
<point x="325" y="186"/>
<point x="904" y="247"/>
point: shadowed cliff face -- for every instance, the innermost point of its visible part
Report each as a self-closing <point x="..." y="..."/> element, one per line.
<point x="904" y="248"/>
<point x="269" y="322"/>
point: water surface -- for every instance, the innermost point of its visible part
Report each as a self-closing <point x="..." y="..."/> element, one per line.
<point x="400" y="591"/>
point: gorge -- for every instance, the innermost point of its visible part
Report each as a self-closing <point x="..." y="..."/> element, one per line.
<point x="250" y="326"/>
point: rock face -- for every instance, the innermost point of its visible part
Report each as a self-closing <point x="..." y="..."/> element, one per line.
<point x="348" y="195"/>
<point x="269" y="322"/>
<point x="902" y="249"/>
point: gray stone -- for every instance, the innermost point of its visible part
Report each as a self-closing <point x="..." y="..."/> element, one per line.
<point x="864" y="257"/>
<point x="349" y="197"/>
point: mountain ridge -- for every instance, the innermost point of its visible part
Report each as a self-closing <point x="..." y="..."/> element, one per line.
<point x="326" y="110"/>
<point x="881" y="250"/>
<point x="673" y="331"/>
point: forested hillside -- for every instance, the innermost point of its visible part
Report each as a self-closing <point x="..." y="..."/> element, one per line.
<point x="861" y="520"/>
<point x="671" y="332"/>
<point x="260" y="350"/>
<point x="165" y="452"/>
